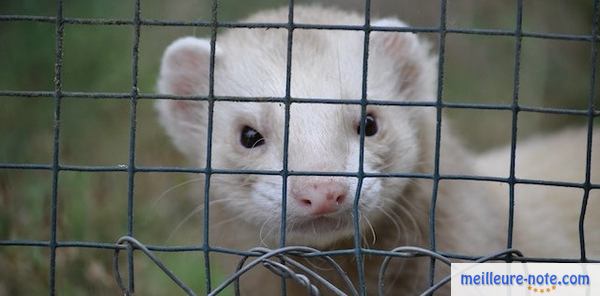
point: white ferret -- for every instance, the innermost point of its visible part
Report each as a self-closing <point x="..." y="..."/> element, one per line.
<point x="471" y="216"/>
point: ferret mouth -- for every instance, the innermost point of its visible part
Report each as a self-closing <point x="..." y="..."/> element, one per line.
<point x="322" y="224"/>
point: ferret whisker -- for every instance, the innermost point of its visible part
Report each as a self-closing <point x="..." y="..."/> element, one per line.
<point x="194" y="212"/>
<point x="416" y="231"/>
<point x="236" y="184"/>
<point x="310" y="262"/>
<point x="338" y="225"/>
<point x="398" y="230"/>
<point x="363" y="236"/>
<point x="371" y="228"/>
<point x="223" y="222"/>
<point x="260" y="232"/>
<point x="392" y="201"/>
<point x="289" y="227"/>
<point x="164" y="193"/>
<point x="272" y="230"/>
<point x="401" y="238"/>
<point x="406" y="213"/>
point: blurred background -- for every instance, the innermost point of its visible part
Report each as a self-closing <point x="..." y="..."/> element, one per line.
<point x="93" y="205"/>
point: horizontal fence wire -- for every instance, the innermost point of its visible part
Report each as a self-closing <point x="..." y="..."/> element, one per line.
<point x="240" y="25"/>
<point x="200" y="248"/>
<point x="375" y="102"/>
<point x="278" y="260"/>
<point x="193" y="170"/>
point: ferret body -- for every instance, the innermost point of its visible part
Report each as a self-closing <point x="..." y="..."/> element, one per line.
<point x="470" y="216"/>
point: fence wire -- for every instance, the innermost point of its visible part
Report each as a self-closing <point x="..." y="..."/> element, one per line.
<point x="280" y="261"/>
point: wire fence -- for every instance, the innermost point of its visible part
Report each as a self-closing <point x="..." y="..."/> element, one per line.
<point x="280" y="261"/>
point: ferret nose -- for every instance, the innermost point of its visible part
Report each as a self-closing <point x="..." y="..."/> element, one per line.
<point x="321" y="198"/>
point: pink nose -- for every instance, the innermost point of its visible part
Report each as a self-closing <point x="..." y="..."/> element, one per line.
<point x="321" y="198"/>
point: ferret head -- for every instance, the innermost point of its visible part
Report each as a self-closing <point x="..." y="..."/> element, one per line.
<point x="322" y="137"/>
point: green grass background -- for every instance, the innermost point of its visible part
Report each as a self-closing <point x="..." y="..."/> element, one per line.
<point x="92" y="206"/>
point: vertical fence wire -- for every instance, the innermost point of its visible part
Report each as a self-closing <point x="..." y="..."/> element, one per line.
<point x="514" y="123"/>
<point x="590" y="129"/>
<point x="209" y="133"/>
<point x="131" y="169"/>
<point x="438" y="135"/>
<point x="59" y="36"/>
<point x="286" y="133"/>
<point x="362" y="289"/>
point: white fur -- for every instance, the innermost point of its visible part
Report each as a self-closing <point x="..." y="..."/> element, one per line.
<point x="470" y="218"/>
<point x="547" y="217"/>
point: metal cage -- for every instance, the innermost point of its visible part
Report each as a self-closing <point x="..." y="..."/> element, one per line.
<point x="276" y="260"/>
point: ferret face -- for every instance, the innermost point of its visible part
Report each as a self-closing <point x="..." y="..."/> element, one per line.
<point x="322" y="137"/>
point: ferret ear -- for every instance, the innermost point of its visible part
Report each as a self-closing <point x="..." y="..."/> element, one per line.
<point x="184" y="68"/>
<point x="415" y="67"/>
<point x="185" y="72"/>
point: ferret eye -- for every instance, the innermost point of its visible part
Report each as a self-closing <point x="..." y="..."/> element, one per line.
<point x="250" y="138"/>
<point x="370" y="126"/>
